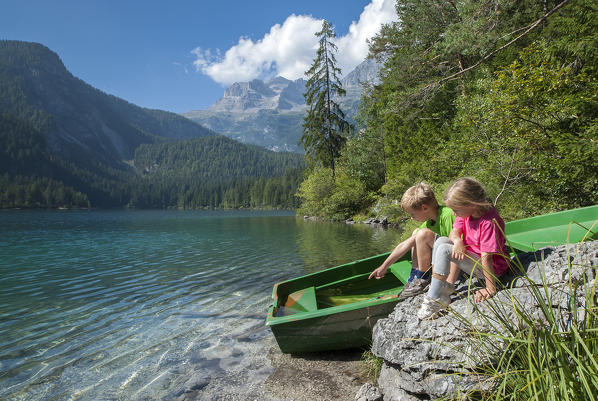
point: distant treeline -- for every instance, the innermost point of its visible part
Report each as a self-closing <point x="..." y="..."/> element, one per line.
<point x="38" y="192"/>
<point x="267" y="193"/>
<point x="208" y="172"/>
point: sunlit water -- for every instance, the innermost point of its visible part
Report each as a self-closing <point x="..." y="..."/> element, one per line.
<point x="150" y="304"/>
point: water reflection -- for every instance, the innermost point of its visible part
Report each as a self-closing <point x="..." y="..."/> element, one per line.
<point x="151" y="304"/>
<point x="324" y="244"/>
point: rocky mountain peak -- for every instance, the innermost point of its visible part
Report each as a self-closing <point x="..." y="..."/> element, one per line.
<point x="253" y="96"/>
<point x="270" y="113"/>
<point x="248" y="89"/>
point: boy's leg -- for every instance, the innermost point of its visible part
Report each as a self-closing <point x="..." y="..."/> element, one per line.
<point x="414" y="261"/>
<point x="421" y="260"/>
<point x="424" y="243"/>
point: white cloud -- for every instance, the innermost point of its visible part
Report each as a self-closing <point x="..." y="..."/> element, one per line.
<point x="289" y="49"/>
<point x="353" y="47"/>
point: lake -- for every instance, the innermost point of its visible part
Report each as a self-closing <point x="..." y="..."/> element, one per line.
<point x="150" y="304"/>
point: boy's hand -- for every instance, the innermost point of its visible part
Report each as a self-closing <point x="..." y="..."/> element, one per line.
<point x="378" y="273"/>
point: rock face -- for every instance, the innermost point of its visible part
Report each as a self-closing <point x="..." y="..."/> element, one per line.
<point x="251" y="97"/>
<point x="421" y="355"/>
<point x="270" y="113"/>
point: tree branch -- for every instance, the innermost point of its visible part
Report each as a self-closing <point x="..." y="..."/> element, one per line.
<point x="528" y="30"/>
<point x="504" y="186"/>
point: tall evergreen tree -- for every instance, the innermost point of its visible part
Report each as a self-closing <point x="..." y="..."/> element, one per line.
<point x="325" y="127"/>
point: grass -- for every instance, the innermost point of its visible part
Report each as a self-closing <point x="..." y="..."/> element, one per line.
<point x="548" y="352"/>
<point x="371" y="366"/>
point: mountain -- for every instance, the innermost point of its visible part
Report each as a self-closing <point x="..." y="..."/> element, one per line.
<point x="366" y="72"/>
<point x="270" y="113"/>
<point x="251" y="97"/>
<point x="63" y="142"/>
<point x="77" y="120"/>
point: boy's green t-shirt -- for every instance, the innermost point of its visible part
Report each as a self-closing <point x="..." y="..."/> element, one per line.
<point x="444" y="224"/>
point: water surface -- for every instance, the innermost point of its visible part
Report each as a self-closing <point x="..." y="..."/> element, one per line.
<point x="150" y="304"/>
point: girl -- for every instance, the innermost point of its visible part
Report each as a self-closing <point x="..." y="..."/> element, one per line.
<point x="477" y="243"/>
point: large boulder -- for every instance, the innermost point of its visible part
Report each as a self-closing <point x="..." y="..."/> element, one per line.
<point x="422" y="357"/>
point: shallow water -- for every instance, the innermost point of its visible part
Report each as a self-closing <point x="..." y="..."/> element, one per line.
<point x="150" y="304"/>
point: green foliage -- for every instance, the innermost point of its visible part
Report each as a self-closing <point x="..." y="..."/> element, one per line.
<point x="325" y="128"/>
<point x="213" y="157"/>
<point x="363" y="158"/>
<point x="371" y="366"/>
<point x="315" y="191"/>
<point x="524" y="121"/>
<point x="533" y="121"/>
<point x="214" y="172"/>
<point x="33" y="193"/>
<point x="336" y="198"/>
<point x="349" y="194"/>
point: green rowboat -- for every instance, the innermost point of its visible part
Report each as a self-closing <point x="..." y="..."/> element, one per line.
<point x="334" y="308"/>
<point x="337" y="308"/>
<point x="552" y="229"/>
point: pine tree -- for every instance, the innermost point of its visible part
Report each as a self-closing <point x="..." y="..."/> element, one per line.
<point x="325" y="127"/>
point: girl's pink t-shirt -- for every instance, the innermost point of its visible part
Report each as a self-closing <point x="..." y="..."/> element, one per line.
<point x="486" y="235"/>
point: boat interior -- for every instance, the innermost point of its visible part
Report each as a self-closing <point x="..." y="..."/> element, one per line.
<point x="346" y="290"/>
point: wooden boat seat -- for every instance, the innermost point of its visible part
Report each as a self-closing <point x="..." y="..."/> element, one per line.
<point x="302" y="301"/>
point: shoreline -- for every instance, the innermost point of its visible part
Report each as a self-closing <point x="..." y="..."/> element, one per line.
<point x="266" y="374"/>
<point x="333" y="375"/>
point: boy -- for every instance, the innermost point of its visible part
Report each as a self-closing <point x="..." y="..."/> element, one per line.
<point x="421" y="204"/>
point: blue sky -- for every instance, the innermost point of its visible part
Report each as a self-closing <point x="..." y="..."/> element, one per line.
<point x="181" y="55"/>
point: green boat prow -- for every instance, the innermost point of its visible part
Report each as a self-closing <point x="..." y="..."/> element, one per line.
<point x="553" y="229"/>
<point x="337" y="308"/>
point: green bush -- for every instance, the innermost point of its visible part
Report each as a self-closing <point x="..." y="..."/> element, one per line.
<point x="315" y="191"/>
<point x="337" y="199"/>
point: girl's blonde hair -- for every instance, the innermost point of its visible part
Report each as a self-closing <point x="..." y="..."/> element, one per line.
<point x="467" y="191"/>
<point x="418" y="195"/>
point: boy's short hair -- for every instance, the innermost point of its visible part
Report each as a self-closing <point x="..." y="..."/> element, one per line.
<point x="417" y="196"/>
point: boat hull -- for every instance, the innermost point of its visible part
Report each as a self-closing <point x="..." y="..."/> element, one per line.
<point x="342" y="330"/>
<point x="553" y="229"/>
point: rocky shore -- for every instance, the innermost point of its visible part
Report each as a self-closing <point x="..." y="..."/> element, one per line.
<point x="420" y="358"/>
<point x="425" y="360"/>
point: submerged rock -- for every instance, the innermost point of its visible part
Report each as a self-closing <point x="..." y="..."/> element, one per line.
<point x="433" y="358"/>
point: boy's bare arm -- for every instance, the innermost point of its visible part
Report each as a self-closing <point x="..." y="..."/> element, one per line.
<point x="395" y="255"/>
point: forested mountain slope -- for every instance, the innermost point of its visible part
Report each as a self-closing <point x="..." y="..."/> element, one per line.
<point x="65" y="143"/>
<point x="215" y="172"/>
<point x="78" y="121"/>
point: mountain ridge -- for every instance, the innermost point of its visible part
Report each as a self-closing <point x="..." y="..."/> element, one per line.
<point x="83" y="118"/>
<point x="59" y="134"/>
<point x="270" y="113"/>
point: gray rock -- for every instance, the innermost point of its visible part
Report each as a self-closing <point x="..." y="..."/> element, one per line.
<point x="432" y="358"/>
<point x="367" y="392"/>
